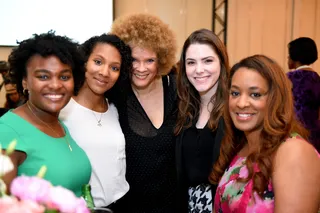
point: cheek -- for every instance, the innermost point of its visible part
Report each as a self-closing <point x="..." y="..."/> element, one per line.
<point x="115" y="76"/>
<point x="90" y="70"/>
<point x="262" y="107"/>
<point x="189" y="73"/>
<point x="153" y="68"/>
<point x="69" y="86"/>
<point x="215" y="69"/>
<point x="231" y="104"/>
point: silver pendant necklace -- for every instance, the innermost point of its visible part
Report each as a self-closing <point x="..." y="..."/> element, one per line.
<point x="99" y="121"/>
<point x="99" y="124"/>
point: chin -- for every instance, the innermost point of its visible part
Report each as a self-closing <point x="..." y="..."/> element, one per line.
<point x="140" y="84"/>
<point x="56" y="108"/>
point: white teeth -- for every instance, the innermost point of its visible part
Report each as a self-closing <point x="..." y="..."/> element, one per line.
<point x="245" y="115"/>
<point x="140" y="76"/>
<point x="201" y="79"/>
<point x="54" y="97"/>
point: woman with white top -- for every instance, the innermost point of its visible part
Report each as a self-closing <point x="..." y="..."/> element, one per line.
<point x="92" y="119"/>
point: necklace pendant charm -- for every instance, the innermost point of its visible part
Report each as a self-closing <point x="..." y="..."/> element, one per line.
<point x="99" y="124"/>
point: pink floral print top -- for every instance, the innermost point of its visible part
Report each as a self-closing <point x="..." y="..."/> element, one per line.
<point x="233" y="196"/>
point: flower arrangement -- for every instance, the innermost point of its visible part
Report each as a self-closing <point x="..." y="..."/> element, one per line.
<point x="34" y="194"/>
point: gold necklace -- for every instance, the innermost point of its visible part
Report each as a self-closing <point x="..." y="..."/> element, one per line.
<point x="64" y="132"/>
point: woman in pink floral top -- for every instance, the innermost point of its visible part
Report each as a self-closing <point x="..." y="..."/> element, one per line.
<point x="265" y="165"/>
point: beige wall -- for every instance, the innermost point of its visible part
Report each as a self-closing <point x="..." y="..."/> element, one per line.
<point x="183" y="16"/>
<point x="4" y="52"/>
<point x="254" y="26"/>
<point x="267" y="26"/>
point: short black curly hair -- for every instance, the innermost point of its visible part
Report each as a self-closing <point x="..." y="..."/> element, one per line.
<point x="126" y="59"/>
<point x="303" y="50"/>
<point x="46" y="44"/>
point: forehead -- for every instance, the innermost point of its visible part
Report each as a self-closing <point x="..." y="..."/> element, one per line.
<point x="106" y="50"/>
<point x="248" y="78"/>
<point x="198" y="50"/>
<point x="49" y="63"/>
<point x="142" y="52"/>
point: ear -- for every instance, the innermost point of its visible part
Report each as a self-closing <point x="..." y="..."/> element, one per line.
<point x="24" y="83"/>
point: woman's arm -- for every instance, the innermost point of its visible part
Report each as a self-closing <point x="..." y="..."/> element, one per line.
<point x="296" y="178"/>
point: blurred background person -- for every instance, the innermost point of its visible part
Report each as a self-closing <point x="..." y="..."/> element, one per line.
<point x="202" y="91"/>
<point x="305" y="85"/>
<point x="93" y="120"/>
<point x="147" y="112"/>
<point x="13" y="98"/>
<point x="46" y="68"/>
<point x="265" y="164"/>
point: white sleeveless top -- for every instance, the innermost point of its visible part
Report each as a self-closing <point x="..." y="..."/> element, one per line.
<point x="105" y="147"/>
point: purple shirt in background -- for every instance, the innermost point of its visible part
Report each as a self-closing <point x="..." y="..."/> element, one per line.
<point x="306" y="93"/>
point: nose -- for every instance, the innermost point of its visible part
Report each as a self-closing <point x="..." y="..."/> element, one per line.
<point x="243" y="101"/>
<point x="56" y="83"/>
<point x="199" y="68"/>
<point x="104" y="71"/>
<point x="139" y="66"/>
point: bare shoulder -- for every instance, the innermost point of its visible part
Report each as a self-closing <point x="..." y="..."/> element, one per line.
<point x="296" y="171"/>
<point x="295" y="151"/>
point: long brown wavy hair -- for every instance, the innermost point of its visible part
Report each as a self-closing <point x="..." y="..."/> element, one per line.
<point x="278" y="124"/>
<point x="189" y="98"/>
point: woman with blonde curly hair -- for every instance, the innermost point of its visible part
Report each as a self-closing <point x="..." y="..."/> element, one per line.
<point x="147" y="113"/>
<point x="267" y="164"/>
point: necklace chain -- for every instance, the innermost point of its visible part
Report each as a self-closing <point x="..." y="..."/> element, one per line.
<point x="99" y="121"/>
<point x="63" y="130"/>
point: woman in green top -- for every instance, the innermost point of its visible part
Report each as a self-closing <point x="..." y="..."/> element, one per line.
<point x="47" y="69"/>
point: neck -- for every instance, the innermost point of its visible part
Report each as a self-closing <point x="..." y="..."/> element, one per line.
<point x="91" y="100"/>
<point x="146" y="91"/>
<point x="303" y="67"/>
<point x="41" y="114"/>
<point x="253" y="139"/>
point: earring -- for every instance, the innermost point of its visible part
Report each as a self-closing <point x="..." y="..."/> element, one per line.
<point x="25" y="91"/>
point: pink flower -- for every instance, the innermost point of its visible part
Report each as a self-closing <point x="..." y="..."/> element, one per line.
<point x="12" y="205"/>
<point x="30" y="188"/>
<point x="29" y="206"/>
<point x="82" y="206"/>
<point x="243" y="173"/>
<point x="64" y="200"/>
<point x="6" y="202"/>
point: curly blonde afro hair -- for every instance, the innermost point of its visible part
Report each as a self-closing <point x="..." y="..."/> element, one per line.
<point x="148" y="31"/>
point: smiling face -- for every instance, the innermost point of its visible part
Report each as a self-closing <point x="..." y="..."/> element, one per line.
<point x="202" y="68"/>
<point x="50" y="83"/>
<point x="102" y="68"/>
<point x="145" y="67"/>
<point x="248" y="100"/>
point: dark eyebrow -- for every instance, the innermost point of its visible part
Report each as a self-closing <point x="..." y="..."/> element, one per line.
<point x="205" y="58"/>
<point x="48" y="72"/>
<point x="117" y="63"/>
<point x="254" y="88"/>
<point x="250" y="88"/>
